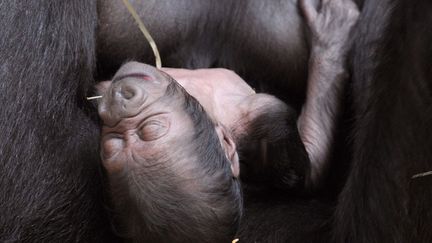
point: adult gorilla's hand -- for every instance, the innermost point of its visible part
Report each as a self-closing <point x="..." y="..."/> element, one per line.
<point x="331" y="25"/>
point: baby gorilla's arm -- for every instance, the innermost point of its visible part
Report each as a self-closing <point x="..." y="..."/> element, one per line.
<point x="330" y="29"/>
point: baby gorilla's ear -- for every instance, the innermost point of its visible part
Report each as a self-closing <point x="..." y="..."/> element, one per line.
<point x="229" y="147"/>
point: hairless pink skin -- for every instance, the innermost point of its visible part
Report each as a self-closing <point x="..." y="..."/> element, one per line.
<point x="226" y="97"/>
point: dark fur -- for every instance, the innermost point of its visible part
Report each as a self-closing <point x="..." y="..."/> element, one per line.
<point x="49" y="187"/>
<point x="274" y="217"/>
<point x="392" y="137"/>
<point x="271" y="153"/>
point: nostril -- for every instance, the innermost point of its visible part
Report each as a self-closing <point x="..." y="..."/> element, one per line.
<point x="127" y="93"/>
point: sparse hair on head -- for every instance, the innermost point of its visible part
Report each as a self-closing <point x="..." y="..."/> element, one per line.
<point x="194" y="199"/>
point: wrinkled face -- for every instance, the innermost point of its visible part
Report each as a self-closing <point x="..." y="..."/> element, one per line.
<point x="143" y="117"/>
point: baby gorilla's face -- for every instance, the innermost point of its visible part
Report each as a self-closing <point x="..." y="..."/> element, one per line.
<point x="143" y="115"/>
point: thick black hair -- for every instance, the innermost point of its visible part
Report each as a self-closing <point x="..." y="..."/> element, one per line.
<point x="271" y="151"/>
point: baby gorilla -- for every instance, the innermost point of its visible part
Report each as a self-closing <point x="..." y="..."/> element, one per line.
<point x="172" y="164"/>
<point x="172" y="174"/>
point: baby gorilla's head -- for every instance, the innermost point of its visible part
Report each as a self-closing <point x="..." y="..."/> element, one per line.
<point x="172" y="171"/>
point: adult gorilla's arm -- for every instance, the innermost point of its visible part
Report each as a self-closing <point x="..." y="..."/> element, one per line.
<point x="392" y="136"/>
<point x="330" y="28"/>
<point x="273" y="150"/>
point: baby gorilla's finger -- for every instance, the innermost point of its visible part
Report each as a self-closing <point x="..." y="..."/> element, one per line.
<point x="309" y="10"/>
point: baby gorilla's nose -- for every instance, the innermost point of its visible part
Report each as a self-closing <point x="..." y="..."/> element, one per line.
<point x="134" y="87"/>
<point x="130" y="96"/>
<point x="126" y="98"/>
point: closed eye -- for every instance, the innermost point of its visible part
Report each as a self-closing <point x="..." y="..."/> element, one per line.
<point x="153" y="129"/>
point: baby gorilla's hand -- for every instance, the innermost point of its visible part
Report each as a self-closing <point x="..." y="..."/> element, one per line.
<point x="331" y="25"/>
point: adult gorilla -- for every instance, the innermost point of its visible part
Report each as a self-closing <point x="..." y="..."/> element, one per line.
<point x="50" y="188"/>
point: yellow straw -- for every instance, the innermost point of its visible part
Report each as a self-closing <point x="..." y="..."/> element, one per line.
<point x="94" y="97"/>
<point x="145" y="32"/>
<point x="428" y="173"/>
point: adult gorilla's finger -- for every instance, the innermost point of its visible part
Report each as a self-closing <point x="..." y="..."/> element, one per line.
<point x="309" y="10"/>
